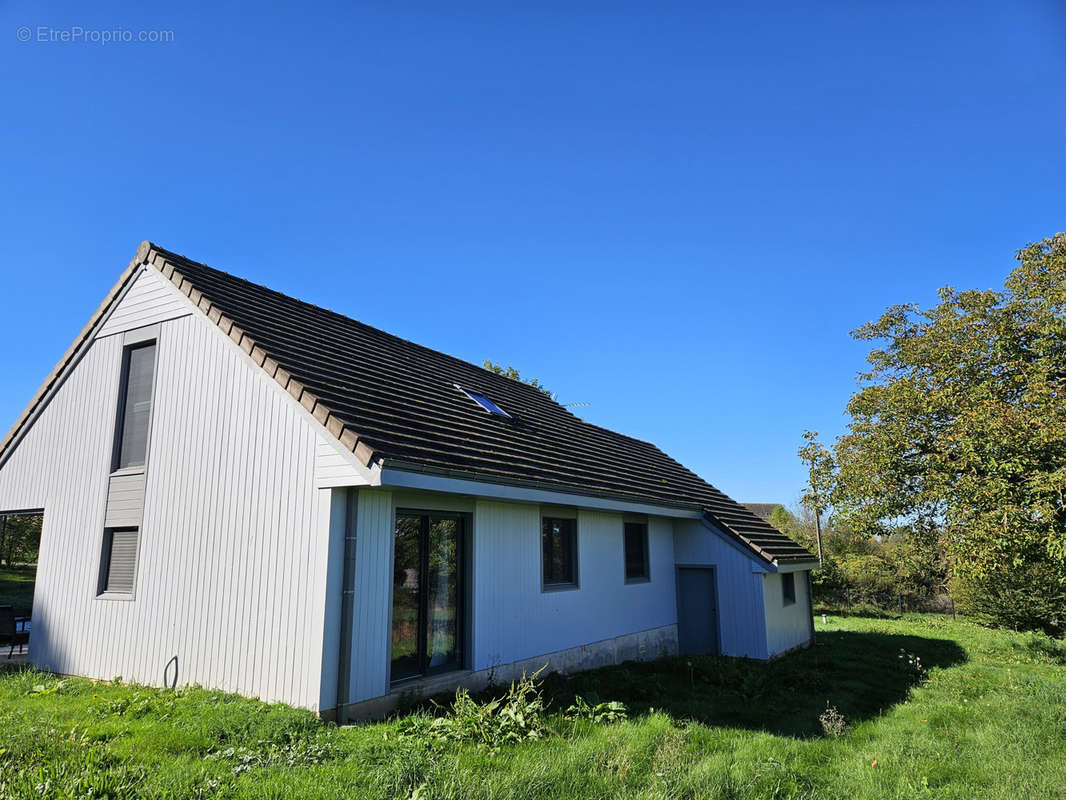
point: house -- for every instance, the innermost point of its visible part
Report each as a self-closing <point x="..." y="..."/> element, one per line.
<point x="251" y="493"/>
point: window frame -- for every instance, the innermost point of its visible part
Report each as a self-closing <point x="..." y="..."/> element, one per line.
<point x="646" y="577"/>
<point x="464" y="597"/>
<point x="788" y="597"/>
<point x="474" y="395"/>
<point x="102" y="592"/>
<point x="134" y="340"/>
<point x="575" y="582"/>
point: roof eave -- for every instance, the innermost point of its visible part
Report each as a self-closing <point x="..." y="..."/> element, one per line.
<point x="481" y="477"/>
<point x="761" y="552"/>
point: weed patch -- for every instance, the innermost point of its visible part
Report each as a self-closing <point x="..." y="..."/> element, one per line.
<point x="515" y="717"/>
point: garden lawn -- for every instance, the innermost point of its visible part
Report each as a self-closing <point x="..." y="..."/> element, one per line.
<point x="16" y="587"/>
<point x="934" y="708"/>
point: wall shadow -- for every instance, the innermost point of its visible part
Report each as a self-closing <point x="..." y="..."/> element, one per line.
<point x="861" y="674"/>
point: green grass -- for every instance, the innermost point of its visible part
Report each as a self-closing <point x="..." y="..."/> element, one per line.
<point x="16" y="587"/>
<point x="985" y="717"/>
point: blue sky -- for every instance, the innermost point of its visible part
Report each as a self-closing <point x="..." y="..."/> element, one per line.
<point x="673" y="214"/>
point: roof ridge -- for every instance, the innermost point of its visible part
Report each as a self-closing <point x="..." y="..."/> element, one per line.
<point x="170" y="265"/>
<point x="525" y="387"/>
<point x="611" y="452"/>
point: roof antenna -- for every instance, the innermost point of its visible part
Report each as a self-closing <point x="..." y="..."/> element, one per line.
<point x="574" y="405"/>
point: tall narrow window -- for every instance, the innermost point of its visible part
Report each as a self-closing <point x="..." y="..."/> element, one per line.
<point x="118" y="572"/>
<point x="559" y="553"/>
<point x="135" y="405"/>
<point x="427" y="594"/>
<point x="636" y="548"/>
<point x="788" y="588"/>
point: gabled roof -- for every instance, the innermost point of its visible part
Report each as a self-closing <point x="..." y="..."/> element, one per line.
<point x="396" y="403"/>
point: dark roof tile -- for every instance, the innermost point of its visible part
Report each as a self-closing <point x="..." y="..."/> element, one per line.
<point x="397" y="401"/>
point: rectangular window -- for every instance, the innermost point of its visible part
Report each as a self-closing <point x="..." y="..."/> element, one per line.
<point x="559" y="551"/>
<point x="427" y="594"/>
<point x="118" y="571"/>
<point x="135" y="405"/>
<point x="788" y="588"/>
<point x="636" y="547"/>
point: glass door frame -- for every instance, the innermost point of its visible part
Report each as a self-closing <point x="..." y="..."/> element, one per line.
<point x="462" y="593"/>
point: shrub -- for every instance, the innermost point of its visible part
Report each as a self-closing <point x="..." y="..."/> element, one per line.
<point x="1031" y="597"/>
<point x="833" y="722"/>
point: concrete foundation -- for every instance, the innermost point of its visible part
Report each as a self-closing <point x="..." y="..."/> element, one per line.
<point x="641" y="646"/>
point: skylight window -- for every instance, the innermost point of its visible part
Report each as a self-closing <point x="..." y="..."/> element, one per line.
<point x="483" y="401"/>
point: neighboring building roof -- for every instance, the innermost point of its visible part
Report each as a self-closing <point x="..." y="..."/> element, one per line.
<point x="393" y="402"/>
<point x="762" y="510"/>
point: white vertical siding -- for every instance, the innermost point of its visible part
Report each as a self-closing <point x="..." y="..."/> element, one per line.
<point x="514" y="619"/>
<point x="786" y="626"/>
<point x="373" y="596"/>
<point x="61" y="465"/>
<point x="333" y="467"/>
<point x="231" y="570"/>
<point x="740" y="590"/>
<point x="150" y="299"/>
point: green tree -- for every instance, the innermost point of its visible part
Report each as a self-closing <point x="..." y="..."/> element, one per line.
<point x="959" y="426"/>
<point x="513" y="374"/>
<point x="821" y="478"/>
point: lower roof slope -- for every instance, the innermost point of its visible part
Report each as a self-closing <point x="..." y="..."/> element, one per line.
<point x="395" y="402"/>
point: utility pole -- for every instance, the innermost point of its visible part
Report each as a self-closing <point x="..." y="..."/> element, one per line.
<point x="820" y="479"/>
<point x="818" y="532"/>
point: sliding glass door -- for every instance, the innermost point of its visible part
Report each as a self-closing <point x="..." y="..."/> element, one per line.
<point x="427" y="592"/>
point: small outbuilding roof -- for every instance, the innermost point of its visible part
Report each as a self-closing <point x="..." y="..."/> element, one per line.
<point x="405" y="406"/>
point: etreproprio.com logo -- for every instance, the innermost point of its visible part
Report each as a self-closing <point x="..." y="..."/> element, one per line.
<point x="78" y="34"/>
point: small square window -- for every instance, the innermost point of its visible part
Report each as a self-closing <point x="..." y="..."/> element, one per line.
<point x="636" y="551"/>
<point x="788" y="588"/>
<point x="559" y="552"/>
<point x="118" y="570"/>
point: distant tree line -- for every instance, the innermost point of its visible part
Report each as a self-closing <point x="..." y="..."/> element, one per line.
<point x="863" y="569"/>
<point x="955" y="453"/>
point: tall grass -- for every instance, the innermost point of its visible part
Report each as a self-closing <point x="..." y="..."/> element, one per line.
<point x="964" y="713"/>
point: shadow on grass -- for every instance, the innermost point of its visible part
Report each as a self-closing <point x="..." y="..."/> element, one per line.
<point x="861" y="674"/>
